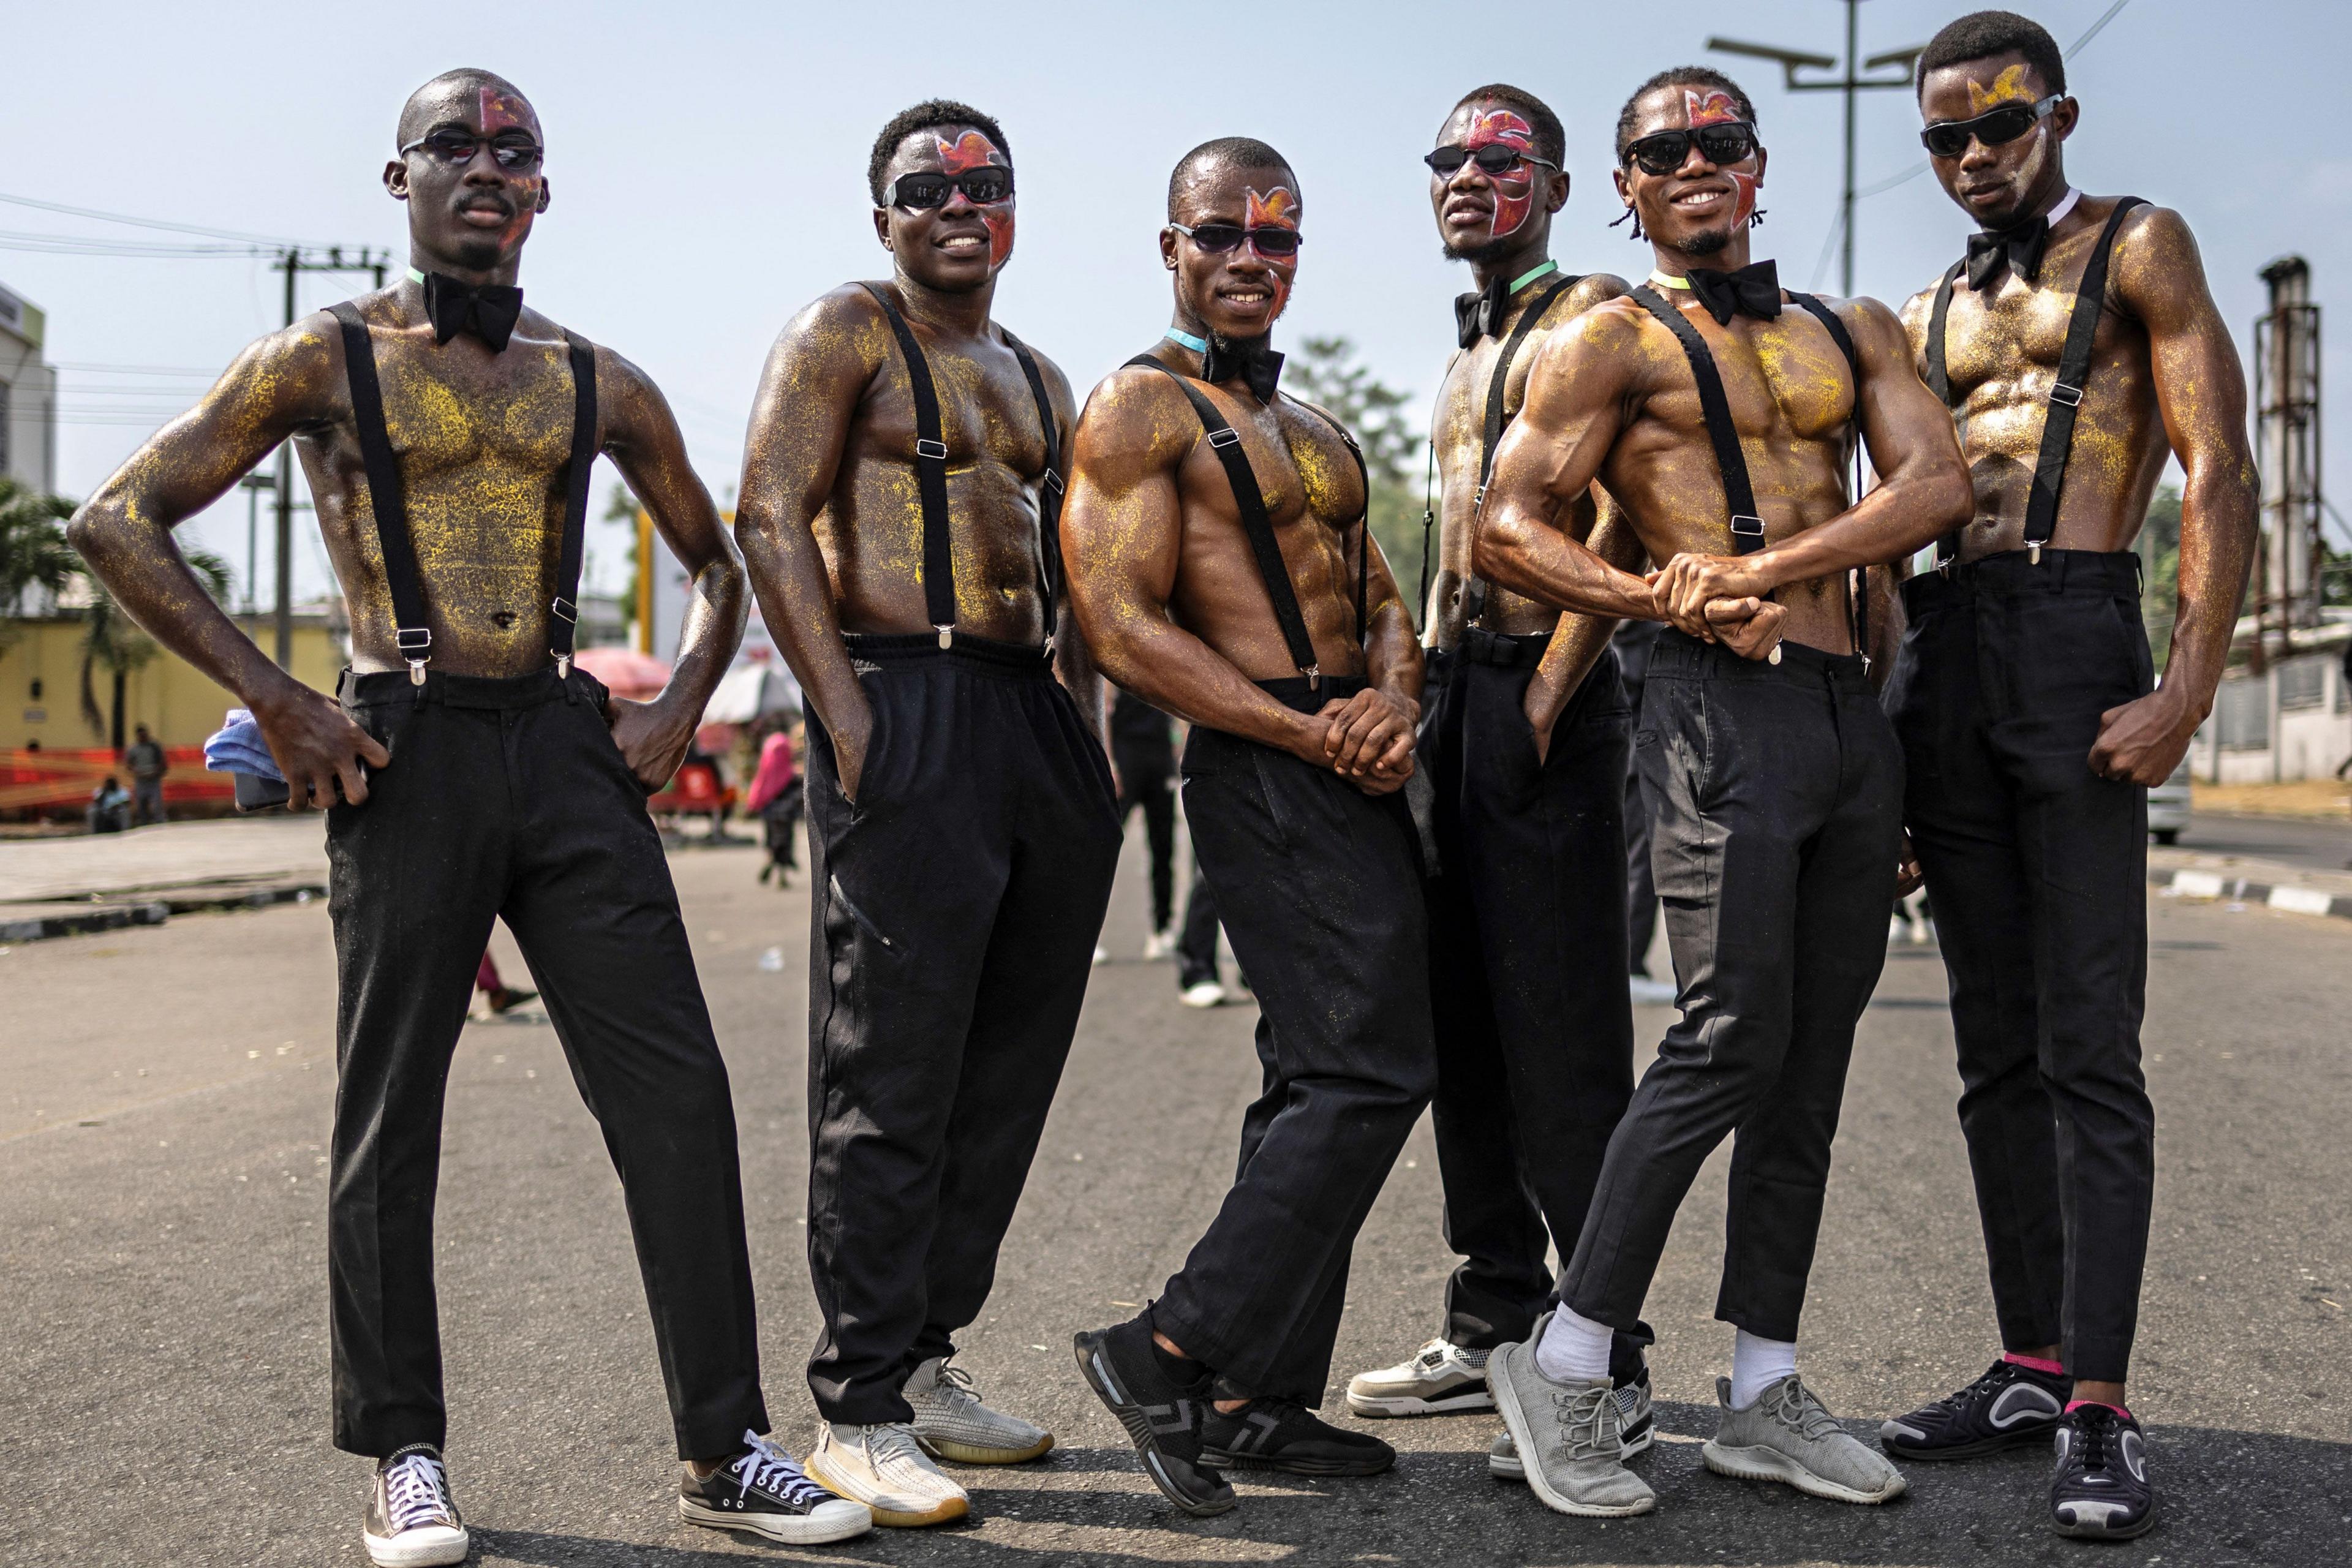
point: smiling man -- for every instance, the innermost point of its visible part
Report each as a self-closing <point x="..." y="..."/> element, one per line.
<point x="1721" y="411"/>
<point x="448" y="433"/>
<point x="1220" y="564"/>
<point x="2078" y="348"/>
<point x="1525" y="742"/>
<point x="901" y="486"/>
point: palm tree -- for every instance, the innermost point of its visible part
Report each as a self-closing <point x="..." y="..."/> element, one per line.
<point x="111" y="639"/>
<point x="33" y="549"/>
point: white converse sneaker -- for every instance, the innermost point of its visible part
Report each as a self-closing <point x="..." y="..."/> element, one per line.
<point x="1203" y="993"/>
<point x="884" y="1468"/>
<point x="951" y="1423"/>
<point x="1160" y="944"/>
<point x="411" y="1519"/>
<point x="1441" y="1379"/>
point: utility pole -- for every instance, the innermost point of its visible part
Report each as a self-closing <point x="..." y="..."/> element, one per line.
<point x="253" y="485"/>
<point x="1852" y="82"/>
<point x="293" y="261"/>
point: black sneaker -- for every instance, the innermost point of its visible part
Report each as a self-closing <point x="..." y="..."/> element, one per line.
<point x="763" y="1490"/>
<point x="411" y="1518"/>
<point x="2009" y="1407"/>
<point x="2101" y="1490"/>
<point x="1163" y="1417"/>
<point x="1274" y="1433"/>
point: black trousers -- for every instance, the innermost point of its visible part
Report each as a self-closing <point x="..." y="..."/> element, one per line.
<point x="957" y="905"/>
<point x="1526" y="963"/>
<point x="1319" y="887"/>
<point x="1632" y="641"/>
<point x="2038" y="868"/>
<point x="1196" y="945"/>
<point x="1776" y="793"/>
<point x="507" y="799"/>
<point x="1144" y="785"/>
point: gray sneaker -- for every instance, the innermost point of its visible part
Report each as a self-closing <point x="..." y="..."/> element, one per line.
<point x="1636" y="1431"/>
<point x="1787" y="1436"/>
<point x="1567" y="1437"/>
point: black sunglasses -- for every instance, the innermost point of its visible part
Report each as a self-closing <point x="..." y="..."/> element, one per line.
<point x="1494" y="158"/>
<point x="512" y="149"/>
<point x="1951" y="138"/>
<point x="1216" y="239"/>
<point x="1666" y="151"/>
<point x="984" y="186"/>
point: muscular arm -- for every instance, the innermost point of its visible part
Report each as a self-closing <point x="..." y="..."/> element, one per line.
<point x="1371" y="735"/>
<point x="278" y="385"/>
<point x="1122" y="535"/>
<point x="1923" y="487"/>
<point x="2201" y="393"/>
<point x="808" y="397"/>
<point x="1073" y="661"/>
<point x="1578" y="641"/>
<point x="641" y="437"/>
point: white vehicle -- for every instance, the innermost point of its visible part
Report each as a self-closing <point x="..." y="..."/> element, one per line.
<point x="2168" y="805"/>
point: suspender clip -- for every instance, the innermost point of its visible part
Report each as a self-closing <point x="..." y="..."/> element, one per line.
<point x="1748" y="527"/>
<point x="562" y="667"/>
<point x="947" y="636"/>
<point x="2033" y="553"/>
<point x="1774" y="657"/>
<point x="416" y="646"/>
<point x="1224" y="437"/>
<point x="1052" y="481"/>
<point x="1314" y="673"/>
<point x="2072" y="396"/>
<point x="925" y="447"/>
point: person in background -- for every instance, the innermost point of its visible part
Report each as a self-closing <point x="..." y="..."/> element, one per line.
<point x="148" y="765"/>
<point x="775" y="799"/>
<point x="109" y="806"/>
<point x="1143" y="754"/>
<point x="504" y="998"/>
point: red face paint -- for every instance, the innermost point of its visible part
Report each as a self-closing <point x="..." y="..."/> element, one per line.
<point x="1277" y="208"/>
<point x="1515" y="187"/>
<point x="1712" y="107"/>
<point x="500" y="111"/>
<point x="1743" y="207"/>
<point x="974" y="150"/>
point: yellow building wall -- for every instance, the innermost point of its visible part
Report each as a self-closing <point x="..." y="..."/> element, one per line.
<point x="166" y="694"/>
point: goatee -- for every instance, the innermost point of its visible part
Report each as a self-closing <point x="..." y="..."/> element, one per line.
<point x="1706" y="242"/>
<point x="1481" y="255"/>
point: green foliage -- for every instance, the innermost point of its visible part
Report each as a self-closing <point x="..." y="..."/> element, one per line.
<point x="33" y="549"/>
<point x="111" y="641"/>
<point x="1325" y="371"/>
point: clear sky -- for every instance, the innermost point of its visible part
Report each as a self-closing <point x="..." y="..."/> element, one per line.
<point x="707" y="164"/>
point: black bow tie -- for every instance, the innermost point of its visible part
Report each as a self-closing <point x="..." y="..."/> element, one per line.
<point x="1753" y="290"/>
<point x="2018" y="248"/>
<point x="488" y="310"/>
<point x="1251" y="359"/>
<point x="1479" y="313"/>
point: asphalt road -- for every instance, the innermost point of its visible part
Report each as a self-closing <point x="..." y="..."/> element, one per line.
<point x="2306" y="846"/>
<point x="163" y="1359"/>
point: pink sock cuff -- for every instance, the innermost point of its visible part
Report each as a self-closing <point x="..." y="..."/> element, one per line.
<point x="2056" y="1369"/>
<point x="2074" y="1404"/>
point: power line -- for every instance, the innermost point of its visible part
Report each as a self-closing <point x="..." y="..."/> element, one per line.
<point x="271" y="240"/>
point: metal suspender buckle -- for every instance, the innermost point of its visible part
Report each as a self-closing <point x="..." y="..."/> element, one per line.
<point x="947" y="636"/>
<point x="565" y="610"/>
<point x="416" y="646"/>
<point x="927" y="448"/>
<point x="1314" y="673"/>
<point x="1748" y="527"/>
<point x="2033" y="553"/>
<point x="1052" y="481"/>
<point x="1224" y="437"/>
<point x="2072" y="396"/>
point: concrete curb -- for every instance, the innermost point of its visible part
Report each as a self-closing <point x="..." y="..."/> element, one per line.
<point x="151" y="911"/>
<point x="2238" y="889"/>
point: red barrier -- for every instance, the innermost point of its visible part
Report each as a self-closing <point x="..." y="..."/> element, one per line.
<point x="30" y="781"/>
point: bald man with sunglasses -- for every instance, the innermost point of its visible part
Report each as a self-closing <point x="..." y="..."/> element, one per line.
<point x="2078" y="347"/>
<point x="901" y="488"/>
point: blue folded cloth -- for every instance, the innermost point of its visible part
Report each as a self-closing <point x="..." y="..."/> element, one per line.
<point x="238" y="748"/>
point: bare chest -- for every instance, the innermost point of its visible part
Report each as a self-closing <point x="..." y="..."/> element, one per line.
<point x="988" y="413"/>
<point x="503" y="431"/>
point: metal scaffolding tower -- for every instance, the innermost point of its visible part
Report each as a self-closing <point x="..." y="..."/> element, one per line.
<point x="2286" y="594"/>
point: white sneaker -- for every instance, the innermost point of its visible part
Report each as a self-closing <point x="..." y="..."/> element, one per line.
<point x="884" y="1468"/>
<point x="1206" y="994"/>
<point x="411" y="1519"/>
<point x="1158" y="945"/>
<point x="1440" y="1379"/>
<point x="951" y="1423"/>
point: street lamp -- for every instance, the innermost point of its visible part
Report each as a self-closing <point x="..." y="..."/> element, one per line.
<point x="1793" y="60"/>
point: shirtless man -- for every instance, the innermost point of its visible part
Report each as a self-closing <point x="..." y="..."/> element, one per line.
<point x="447" y="434"/>
<point x="1221" y="568"/>
<point x="2023" y="695"/>
<point x="1721" y="411"/>
<point x="1527" y="740"/>
<point x="898" y="497"/>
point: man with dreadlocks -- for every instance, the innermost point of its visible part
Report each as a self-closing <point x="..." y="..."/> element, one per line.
<point x="1525" y="742"/>
<point x="2033" y="725"/>
<point x="1721" y="411"/>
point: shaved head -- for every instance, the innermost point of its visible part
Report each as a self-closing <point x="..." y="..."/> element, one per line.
<point x="1212" y="158"/>
<point x="468" y="95"/>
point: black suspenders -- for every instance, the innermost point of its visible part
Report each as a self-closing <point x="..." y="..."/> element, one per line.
<point x="410" y="632"/>
<point x="931" y="478"/>
<point x="2065" y="393"/>
<point x="1250" y="501"/>
<point x="1738" y="493"/>
<point x="1474" y="598"/>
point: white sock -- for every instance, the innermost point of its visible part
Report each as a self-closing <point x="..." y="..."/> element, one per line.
<point x="1755" y="1365"/>
<point x="1574" y="1349"/>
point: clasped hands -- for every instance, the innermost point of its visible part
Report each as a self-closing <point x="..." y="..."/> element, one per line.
<point x="1366" y="739"/>
<point x="1720" y="599"/>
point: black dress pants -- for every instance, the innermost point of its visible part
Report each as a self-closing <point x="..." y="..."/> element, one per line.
<point x="1143" y="785"/>
<point x="2038" y="868"/>
<point x="1632" y="641"/>
<point x="1318" y="885"/>
<point x="1777" y="798"/>
<point x="507" y="799"/>
<point x="1526" y="963"/>
<point x="1196" y="945"/>
<point x="957" y="905"/>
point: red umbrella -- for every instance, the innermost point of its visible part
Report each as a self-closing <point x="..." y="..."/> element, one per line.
<point x="626" y="672"/>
